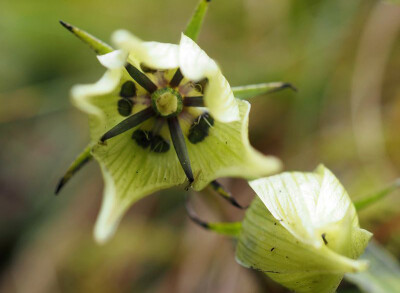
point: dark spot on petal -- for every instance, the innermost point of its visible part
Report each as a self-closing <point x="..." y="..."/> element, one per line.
<point x="142" y="138"/>
<point x="272" y="249"/>
<point x="125" y="107"/>
<point x="128" y="90"/>
<point x="159" y="145"/>
<point x="324" y="238"/>
<point x="200" y="128"/>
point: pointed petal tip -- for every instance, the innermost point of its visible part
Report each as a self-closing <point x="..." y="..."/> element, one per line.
<point x="66" y="25"/>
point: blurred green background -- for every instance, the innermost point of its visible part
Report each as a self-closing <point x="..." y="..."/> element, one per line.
<point x="343" y="56"/>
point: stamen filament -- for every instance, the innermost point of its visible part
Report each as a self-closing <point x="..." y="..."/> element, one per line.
<point x="176" y="79"/>
<point x="180" y="147"/>
<point x="193" y="101"/>
<point x="129" y="123"/>
<point x="141" y="78"/>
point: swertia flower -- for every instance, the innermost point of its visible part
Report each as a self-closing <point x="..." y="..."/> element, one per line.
<point x="161" y="115"/>
<point x="302" y="231"/>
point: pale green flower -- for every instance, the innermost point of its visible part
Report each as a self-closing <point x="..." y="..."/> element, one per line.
<point x="163" y="114"/>
<point x="302" y="231"/>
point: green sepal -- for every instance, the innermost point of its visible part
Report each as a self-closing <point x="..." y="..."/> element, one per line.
<point x="376" y="196"/>
<point x="226" y="228"/>
<point x="76" y="165"/>
<point x="97" y="45"/>
<point x="194" y="26"/>
<point x="251" y="91"/>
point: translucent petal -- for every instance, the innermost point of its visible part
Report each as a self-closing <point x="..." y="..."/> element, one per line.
<point x="226" y="152"/>
<point x="133" y="172"/>
<point x="309" y="204"/>
<point x="153" y="54"/>
<point x="218" y="97"/>
<point x="266" y="245"/>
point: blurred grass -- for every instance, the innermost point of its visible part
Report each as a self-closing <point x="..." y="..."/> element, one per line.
<point x="45" y="242"/>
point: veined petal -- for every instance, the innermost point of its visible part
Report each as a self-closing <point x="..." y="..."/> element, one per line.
<point x="266" y="245"/>
<point x="82" y="94"/>
<point x="218" y="97"/>
<point x="113" y="60"/>
<point x="309" y="204"/>
<point x="132" y="172"/>
<point x="153" y="54"/>
<point x="227" y="152"/>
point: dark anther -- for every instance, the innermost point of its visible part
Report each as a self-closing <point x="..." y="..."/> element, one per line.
<point x="324" y="238"/>
<point x="142" y="137"/>
<point x="200" y="128"/>
<point x="125" y="107"/>
<point x="193" y="101"/>
<point x="147" y="139"/>
<point x="180" y="147"/>
<point x="128" y="90"/>
<point x="129" y="123"/>
<point x="159" y="145"/>
<point x="221" y="191"/>
<point x="176" y="79"/>
<point x="141" y="78"/>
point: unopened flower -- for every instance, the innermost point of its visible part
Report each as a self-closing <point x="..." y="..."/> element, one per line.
<point x="302" y="231"/>
<point x="161" y="115"/>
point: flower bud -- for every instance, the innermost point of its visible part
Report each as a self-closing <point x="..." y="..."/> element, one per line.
<point x="302" y="231"/>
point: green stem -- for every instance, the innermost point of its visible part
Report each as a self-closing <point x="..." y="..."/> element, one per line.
<point x="376" y="196"/>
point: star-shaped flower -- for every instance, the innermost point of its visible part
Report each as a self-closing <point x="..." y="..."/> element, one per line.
<point x="163" y="114"/>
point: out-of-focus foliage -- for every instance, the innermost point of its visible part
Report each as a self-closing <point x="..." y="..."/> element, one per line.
<point x="383" y="275"/>
<point x="342" y="55"/>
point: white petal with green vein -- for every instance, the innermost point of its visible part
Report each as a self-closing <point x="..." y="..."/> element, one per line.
<point x="302" y="231"/>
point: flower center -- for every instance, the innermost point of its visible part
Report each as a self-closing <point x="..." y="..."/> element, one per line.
<point x="167" y="102"/>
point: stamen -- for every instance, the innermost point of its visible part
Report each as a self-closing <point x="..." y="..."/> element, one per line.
<point x="200" y="128"/>
<point x="128" y="90"/>
<point x="217" y="187"/>
<point x="180" y="146"/>
<point x="141" y="78"/>
<point x="142" y="138"/>
<point x="125" y="107"/>
<point x="176" y="79"/>
<point x="193" y="101"/>
<point x="129" y="123"/>
<point x="159" y="145"/>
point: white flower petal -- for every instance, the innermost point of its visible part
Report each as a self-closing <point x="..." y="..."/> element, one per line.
<point x="308" y="204"/>
<point x="82" y="94"/>
<point x="153" y="54"/>
<point x="113" y="60"/>
<point x="218" y="97"/>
